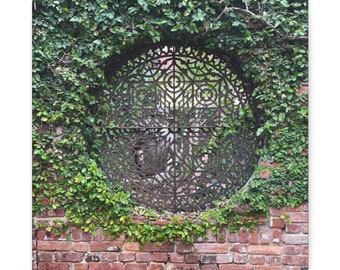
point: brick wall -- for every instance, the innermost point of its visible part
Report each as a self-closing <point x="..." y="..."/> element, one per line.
<point x="276" y="245"/>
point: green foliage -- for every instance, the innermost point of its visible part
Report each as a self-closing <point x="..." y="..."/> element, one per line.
<point x="73" y="41"/>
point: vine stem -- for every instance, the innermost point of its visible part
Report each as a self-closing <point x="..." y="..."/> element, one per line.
<point x="227" y="10"/>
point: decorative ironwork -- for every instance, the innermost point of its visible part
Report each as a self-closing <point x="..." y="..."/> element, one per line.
<point x="171" y="138"/>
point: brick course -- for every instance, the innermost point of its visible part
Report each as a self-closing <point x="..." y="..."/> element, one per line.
<point x="274" y="245"/>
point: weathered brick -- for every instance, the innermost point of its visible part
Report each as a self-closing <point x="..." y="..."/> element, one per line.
<point x="224" y="258"/>
<point x="236" y="267"/>
<point x="76" y="234"/>
<point x="108" y="256"/>
<point x="295" y="239"/>
<point x="243" y="236"/>
<point x="113" y="266"/>
<point x="143" y="257"/>
<point x="276" y="235"/>
<point x="211" y="247"/>
<point x="160" y="257"/>
<point x="276" y="222"/>
<point x="45" y="256"/>
<point x="209" y="267"/>
<point x="301" y="260"/>
<point x="105" y="246"/>
<point x="136" y="266"/>
<point x="92" y="257"/>
<point x="277" y="211"/>
<point x="176" y="258"/>
<point x="265" y="235"/>
<point x="157" y="266"/>
<point x="257" y="259"/>
<point x="297" y="217"/>
<point x="304" y="250"/>
<point x="293" y="228"/>
<point x="71" y="256"/>
<point x="233" y="237"/>
<point x="81" y="246"/>
<point x="265" y="250"/>
<point x="126" y="257"/>
<point x="292" y="250"/>
<point x="273" y="260"/>
<point x="80" y="266"/>
<point x="165" y="247"/>
<point x="305" y="228"/>
<point x="54" y="266"/>
<point x="267" y="267"/>
<point x="208" y="259"/>
<point x="184" y="248"/>
<point x="254" y="237"/>
<point x="239" y="248"/>
<point x="86" y="236"/>
<point x="241" y="258"/>
<point x="210" y="237"/>
<point x="54" y="245"/>
<point x="94" y="266"/>
<point x="176" y="266"/>
<point x="191" y="258"/>
<point x="98" y="235"/>
<point x="134" y="246"/>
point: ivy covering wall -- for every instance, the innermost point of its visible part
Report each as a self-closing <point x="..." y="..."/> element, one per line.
<point x="74" y="42"/>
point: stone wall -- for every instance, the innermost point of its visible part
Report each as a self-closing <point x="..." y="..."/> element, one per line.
<point x="276" y="245"/>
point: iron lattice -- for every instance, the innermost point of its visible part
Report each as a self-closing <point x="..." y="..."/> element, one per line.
<point x="169" y="136"/>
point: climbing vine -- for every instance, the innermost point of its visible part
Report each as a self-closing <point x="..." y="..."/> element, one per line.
<point x="74" y="43"/>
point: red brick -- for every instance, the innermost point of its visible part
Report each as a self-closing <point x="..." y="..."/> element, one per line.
<point x="257" y="259"/>
<point x="210" y="237"/>
<point x="265" y="235"/>
<point x="297" y="217"/>
<point x="69" y="256"/>
<point x="165" y="247"/>
<point x="136" y="266"/>
<point x="292" y="250"/>
<point x="85" y="236"/>
<point x="273" y="260"/>
<point x="254" y="237"/>
<point x="176" y="266"/>
<point x="243" y="236"/>
<point x="233" y="237"/>
<point x="239" y="248"/>
<point x="105" y="246"/>
<point x="80" y="266"/>
<point x="157" y="266"/>
<point x="54" y="245"/>
<point x="208" y="259"/>
<point x="304" y="250"/>
<point x="241" y="258"/>
<point x="184" y="248"/>
<point x="209" y="267"/>
<point x="160" y="257"/>
<point x="126" y="257"/>
<point x="305" y="228"/>
<point x="109" y="256"/>
<point x="295" y="239"/>
<point x="143" y="257"/>
<point x="191" y="258"/>
<point x="94" y="266"/>
<point x="277" y="211"/>
<point x="296" y="209"/>
<point x="41" y="235"/>
<point x="224" y="258"/>
<point x="276" y="222"/>
<point x="236" y="267"/>
<point x="99" y="235"/>
<point x="45" y="256"/>
<point x="176" y="258"/>
<point x="265" y="250"/>
<point x="293" y="228"/>
<point x="92" y="257"/>
<point x="81" y="246"/>
<point x="134" y="246"/>
<point x="112" y="266"/>
<point x="76" y="234"/>
<point x="54" y="266"/>
<point x="211" y="247"/>
<point x="267" y="267"/>
<point x="277" y="235"/>
<point x="301" y="260"/>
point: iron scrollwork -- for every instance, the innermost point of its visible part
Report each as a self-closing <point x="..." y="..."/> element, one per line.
<point x="169" y="138"/>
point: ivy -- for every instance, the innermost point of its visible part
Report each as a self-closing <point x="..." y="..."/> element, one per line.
<point x="74" y="41"/>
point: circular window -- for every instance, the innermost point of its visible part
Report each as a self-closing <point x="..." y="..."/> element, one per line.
<point x="180" y="129"/>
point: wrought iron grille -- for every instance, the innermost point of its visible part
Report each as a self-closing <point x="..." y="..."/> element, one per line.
<point x="178" y="132"/>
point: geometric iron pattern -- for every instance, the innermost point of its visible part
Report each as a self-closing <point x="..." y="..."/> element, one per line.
<point x="167" y="137"/>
